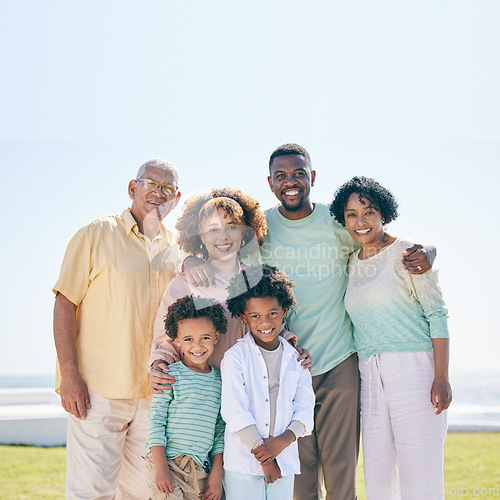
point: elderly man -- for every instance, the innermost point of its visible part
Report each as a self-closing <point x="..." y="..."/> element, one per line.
<point x="113" y="275"/>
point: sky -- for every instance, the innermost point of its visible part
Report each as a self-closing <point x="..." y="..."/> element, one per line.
<point x="405" y="92"/>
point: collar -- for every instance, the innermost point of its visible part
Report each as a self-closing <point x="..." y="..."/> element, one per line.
<point x="131" y="225"/>
<point x="287" y="348"/>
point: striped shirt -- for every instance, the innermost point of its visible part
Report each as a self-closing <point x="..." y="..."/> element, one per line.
<point x="186" y="419"/>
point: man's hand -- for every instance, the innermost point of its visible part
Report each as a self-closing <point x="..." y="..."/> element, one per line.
<point x="73" y="389"/>
<point x="272" y="471"/>
<point x="75" y="397"/>
<point x="305" y="357"/>
<point x="441" y="394"/>
<point x="272" y="447"/>
<point x="419" y="259"/>
<point x="158" y="379"/>
<point x="197" y="272"/>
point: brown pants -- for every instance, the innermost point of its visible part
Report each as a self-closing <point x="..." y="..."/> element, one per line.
<point x="330" y="454"/>
<point x="189" y="479"/>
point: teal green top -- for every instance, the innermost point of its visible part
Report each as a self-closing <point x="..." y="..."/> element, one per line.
<point x="392" y="310"/>
<point x="186" y="419"/>
<point x="314" y="252"/>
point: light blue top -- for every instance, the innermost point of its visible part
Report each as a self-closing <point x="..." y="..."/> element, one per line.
<point x="314" y="252"/>
<point x="186" y="419"/>
<point x="392" y="310"/>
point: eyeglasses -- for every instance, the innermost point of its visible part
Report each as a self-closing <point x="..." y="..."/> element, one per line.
<point x="166" y="189"/>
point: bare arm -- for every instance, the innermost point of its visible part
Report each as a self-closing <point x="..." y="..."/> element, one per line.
<point x="74" y="393"/>
<point x="164" y="479"/>
<point x="213" y="487"/>
<point x="441" y="389"/>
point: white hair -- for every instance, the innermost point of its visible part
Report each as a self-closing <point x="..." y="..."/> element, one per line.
<point x="159" y="163"/>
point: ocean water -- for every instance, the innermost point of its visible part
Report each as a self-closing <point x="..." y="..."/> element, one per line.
<point x="475" y="406"/>
<point x="476" y="401"/>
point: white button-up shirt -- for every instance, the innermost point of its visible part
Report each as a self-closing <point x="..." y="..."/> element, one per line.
<point x="245" y="401"/>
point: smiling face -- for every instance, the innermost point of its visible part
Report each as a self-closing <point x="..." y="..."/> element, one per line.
<point x="152" y="202"/>
<point x="363" y="221"/>
<point x="221" y="236"/>
<point x="291" y="179"/>
<point x="264" y="317"/>
<point x="196" y="339"/>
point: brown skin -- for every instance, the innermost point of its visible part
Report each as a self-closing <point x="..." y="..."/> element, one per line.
<point x="272" y="447"/>
<point x="290" y="172"/>
<point x="165" y="482"/>
<point x="365" y="224"/>
<point x="159" y="379"/>
<point x="150" y="207"/>
<point x="195" y="335"/>
<point x="74" y="393"/>
<point x="213" y="486"/>
<point x="272" y="471"/>
<point x="147" y="212"/>
<point x="441" y="394"/>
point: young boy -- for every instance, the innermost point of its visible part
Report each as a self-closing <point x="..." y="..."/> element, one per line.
<point x="185" y="428"/>
<point x="267" y="397"/>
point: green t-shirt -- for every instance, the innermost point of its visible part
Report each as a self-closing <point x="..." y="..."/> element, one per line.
<point x="314" y="253"/>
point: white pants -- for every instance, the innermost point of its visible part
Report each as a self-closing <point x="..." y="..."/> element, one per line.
<point x="104" y="451"/>
<point x="402" y="436"/>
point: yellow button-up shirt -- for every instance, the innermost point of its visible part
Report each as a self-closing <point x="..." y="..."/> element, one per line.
<point x="116" y="276"/>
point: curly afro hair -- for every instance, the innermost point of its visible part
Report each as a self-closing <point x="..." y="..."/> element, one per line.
<point x="272" y="283"/>
<point x="367" y="188"/>
<point x="190" y="307"/>
<point x="243" y="209"/>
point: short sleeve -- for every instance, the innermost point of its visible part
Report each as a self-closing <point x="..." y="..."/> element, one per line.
<point x="77" y="268"/>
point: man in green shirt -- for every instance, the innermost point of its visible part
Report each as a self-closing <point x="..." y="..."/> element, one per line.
<point x="306" y="243"/>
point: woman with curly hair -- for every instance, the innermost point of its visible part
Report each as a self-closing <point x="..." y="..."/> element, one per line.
<point x="219" y="228"/>
<point x="401" y="336"/>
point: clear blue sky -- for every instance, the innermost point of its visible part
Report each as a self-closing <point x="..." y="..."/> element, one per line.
<point x="406" y="92"/>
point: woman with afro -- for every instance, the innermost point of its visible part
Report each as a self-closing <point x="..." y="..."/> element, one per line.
<point x="220" y="228"/>
<point x="401" y="336"/>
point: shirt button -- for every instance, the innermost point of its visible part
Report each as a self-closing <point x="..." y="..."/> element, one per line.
<point x="267" y="425"/>
<point x="267" y="400"/>
<point x="264" y="376"/>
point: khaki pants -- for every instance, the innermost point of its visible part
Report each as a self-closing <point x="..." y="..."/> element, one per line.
<point x="189" y="479"/>
<point x="104" y="452"/>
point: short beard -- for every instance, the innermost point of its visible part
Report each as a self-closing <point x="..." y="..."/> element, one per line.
<point x="292" y="208"/>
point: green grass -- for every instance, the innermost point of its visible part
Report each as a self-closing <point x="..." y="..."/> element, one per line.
<point x="471" y="469"/>
<point x="471" y="466"/>
<point x="27" y="472"/>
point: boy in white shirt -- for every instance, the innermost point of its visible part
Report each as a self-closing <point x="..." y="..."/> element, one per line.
<point x="267" y="397"/>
